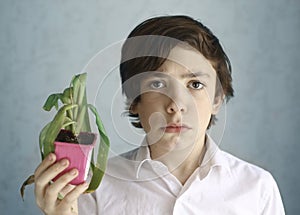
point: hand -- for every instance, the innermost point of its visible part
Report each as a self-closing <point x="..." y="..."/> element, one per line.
<point x="46" y="193"/>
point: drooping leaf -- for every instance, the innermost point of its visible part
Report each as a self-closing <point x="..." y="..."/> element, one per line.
<point x="99" y="167"/>
<point x="28" y="181"/>
<point x="66" y="96"/>
<point x="42" y="138"/>
<point x="54" y="128"/>
<point x="52" y="101"/>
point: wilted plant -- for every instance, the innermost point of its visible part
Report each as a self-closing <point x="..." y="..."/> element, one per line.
<point x="73" y="116"/>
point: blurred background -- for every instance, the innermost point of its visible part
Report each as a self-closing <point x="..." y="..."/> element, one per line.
<point x="44" y="43"/>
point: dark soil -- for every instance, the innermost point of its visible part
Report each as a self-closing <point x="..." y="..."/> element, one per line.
<point x="67" y="137"/>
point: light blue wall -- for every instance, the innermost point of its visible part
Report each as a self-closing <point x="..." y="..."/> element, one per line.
<point x="43" y="43"/>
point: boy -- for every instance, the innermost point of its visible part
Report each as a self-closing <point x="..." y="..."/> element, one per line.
<point x="175" y="76"/>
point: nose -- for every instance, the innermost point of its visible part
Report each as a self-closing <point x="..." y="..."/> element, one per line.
<point x="176" y="102"/>
<point x="174" y="108"/>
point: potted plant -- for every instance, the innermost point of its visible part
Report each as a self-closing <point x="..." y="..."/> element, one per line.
<point x="69" y="134"/>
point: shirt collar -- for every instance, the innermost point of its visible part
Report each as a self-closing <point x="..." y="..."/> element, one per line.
<point x="143" y="152"/>
<point x="213" y="158"/>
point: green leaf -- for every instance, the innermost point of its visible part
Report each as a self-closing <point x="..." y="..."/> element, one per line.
<point x="80" y="115"/>
<point x="68" y="123"/>
<point x="54" y="128"/>
<point x="99" y="168"/>
<point x="42" y="138"/>
<point x="78" y="84"/>
<point x="52" y="101"/>
<point x="66" y="96"/>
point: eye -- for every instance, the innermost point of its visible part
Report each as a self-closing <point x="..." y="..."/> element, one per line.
<point x="157" y="84"/>
<point x="197" y="85"/>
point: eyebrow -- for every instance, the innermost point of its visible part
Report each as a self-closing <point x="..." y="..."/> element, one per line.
<point x="195" y="74"/>
<point x="188" y="75"/>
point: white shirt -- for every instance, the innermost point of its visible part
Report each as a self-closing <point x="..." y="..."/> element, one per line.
<point x="223" y="184"/>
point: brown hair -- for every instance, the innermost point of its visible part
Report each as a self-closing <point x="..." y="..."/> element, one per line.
<point x="150" y="43"/>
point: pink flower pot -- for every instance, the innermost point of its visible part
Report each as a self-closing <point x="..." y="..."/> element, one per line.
<point x="79" y="155"/>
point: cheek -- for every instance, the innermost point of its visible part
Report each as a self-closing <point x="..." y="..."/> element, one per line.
<point x="150" y="115"/>
<point x="153" y="121"/>
<point x="202" y="110"/>
<point x="143" y="116"/>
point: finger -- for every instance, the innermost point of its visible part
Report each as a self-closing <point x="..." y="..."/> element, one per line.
<point x="72" y="196"/>
<point x="39" y="187"/>
<point x="43" y="180"/>
<point x="68" y="188"/>
<point x="56" y="187"/>
<point x="54" y="170"/>
<point x="48" y="161"/>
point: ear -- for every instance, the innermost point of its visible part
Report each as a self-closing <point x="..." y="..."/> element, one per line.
<point x="217" y="104"/>
<point x="133" y="108"/>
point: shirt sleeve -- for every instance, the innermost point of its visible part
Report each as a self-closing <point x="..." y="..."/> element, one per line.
<point x="87" y="204"/>
<point x="272" y="204"/>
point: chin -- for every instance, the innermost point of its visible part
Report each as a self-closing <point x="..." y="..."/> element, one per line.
<point x="177" y="143"/>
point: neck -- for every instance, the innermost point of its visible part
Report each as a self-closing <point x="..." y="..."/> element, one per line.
<point x="181" y="163"/>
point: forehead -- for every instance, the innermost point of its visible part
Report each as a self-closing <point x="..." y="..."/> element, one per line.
<point x="185" y="59"/>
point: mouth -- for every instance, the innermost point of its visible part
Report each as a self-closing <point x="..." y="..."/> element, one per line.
<point x="175" y="128"/>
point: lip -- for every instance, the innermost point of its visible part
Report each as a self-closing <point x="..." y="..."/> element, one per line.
<point x="175" y="128"/>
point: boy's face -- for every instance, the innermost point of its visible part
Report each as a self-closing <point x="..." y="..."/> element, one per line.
<point x="178" y="100"/>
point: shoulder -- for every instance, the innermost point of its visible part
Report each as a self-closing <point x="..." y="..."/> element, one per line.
<point x="123" y="158"/>
<point x="122" y="166"/>
<point x="254" y="179"/>
<point x="242" y="170"/>
<point x="130" y="155"/>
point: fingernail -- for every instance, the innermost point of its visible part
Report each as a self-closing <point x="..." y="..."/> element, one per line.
<point x="85" y="184"/>
<point x="73" y="172"/>
<point x="64" y="162"/>
<point x="50" y="157"/>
